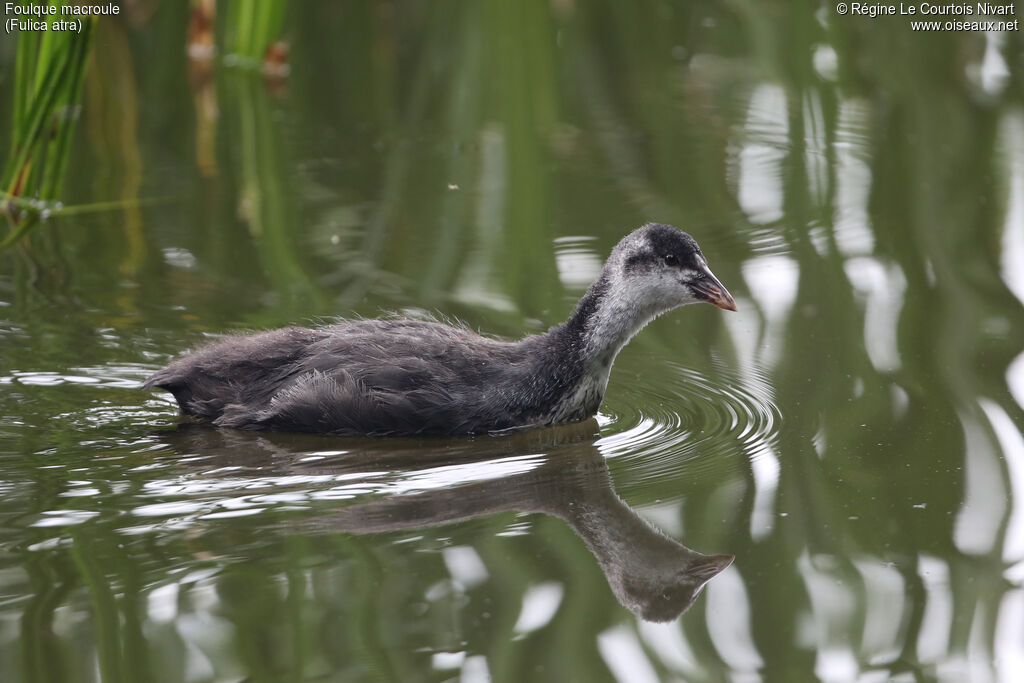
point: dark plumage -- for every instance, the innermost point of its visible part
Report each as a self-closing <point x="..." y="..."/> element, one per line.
<point x="392" y="377"/>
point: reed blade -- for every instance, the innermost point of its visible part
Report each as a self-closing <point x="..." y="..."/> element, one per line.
<point x="48" y="78"/>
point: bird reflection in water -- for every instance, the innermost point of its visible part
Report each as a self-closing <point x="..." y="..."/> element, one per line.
<point x="652" y="575"/>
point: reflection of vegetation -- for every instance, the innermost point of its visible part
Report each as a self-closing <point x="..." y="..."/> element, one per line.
<point x="348" y="556"/>
<point x="265" y="195"/>
<point x="250" y="29"/>
<point x="112" y="125"/>
<point x="558" y="118"/>
<point x="47" y="88"/>
<point x="52" y="580"/>
<point x="235" y="109"/>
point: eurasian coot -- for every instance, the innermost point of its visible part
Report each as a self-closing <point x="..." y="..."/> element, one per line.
<point x="404" y="377"/>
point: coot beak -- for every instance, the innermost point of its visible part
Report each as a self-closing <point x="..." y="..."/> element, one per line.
<point x="708" y="288"/>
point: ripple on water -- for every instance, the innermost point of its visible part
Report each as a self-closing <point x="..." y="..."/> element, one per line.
<point x="125" y="375"/>
<point x="767" y="240"/>
<point x="79" y="398"/>
<point x="205" y="494"/>
<point x="698" y="418"/>
<point x="688" y="414"/>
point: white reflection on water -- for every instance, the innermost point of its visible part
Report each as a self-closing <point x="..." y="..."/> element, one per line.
<point x="108" y="376"/>
<point x="162" y="603"/>
<point x="978" y="522"/>
<point x="826" y="62"/>
<point x="766" y="468"/>
<point x="1012" y="255"/>
<point x="464" y="565"/>
<point x="852" y="226"/>
<point x="540" y="604"/>
<point x="833" y="608"/>
<point x="668" y="642"/>
<point x="1009" y="658"/>
<point x="238" y="512"/>
<point x="668" y="516"/>
<point x="577" y="261"/>
<point x="211" y="494"/>
<point x="936" y="623"/>
<point x="1015" y="379"/>
<point x="124" y="375"/>
<point x="622" y="652"/>
<point x="772" y="281"/>
<point x="180" y="257"/>
<point x="815" y="148"/>
<point x="447" y="660"/>
<point x="883" y="288"/>
<point x="63" y="517"/>
<point x="204" y="638"/>
<point x="884" y="590"/>
<point x="454" y="475"/>
<point x="990" y="73"/>
<point x="765" y="141"/>
<point x="475" y="669"/>
<point x="729" y="622"/>
<point x="1012" y="444"/>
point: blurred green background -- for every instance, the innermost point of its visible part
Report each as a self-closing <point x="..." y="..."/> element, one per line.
<point x="852" y="435"/>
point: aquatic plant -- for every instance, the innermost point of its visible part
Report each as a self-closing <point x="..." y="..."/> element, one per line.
<point x="47" y="90"/>
<point x="250" y="34"/>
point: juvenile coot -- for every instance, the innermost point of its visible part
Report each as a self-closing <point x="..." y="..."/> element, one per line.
<point x="403" y="377"/>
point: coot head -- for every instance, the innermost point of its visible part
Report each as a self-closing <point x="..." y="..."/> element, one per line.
<point x="660" y="263"/>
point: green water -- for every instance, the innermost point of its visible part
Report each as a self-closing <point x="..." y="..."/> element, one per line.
<point x="852" y="435"/>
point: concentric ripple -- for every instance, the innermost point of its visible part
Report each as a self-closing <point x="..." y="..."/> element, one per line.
<point x="685" y="413"/>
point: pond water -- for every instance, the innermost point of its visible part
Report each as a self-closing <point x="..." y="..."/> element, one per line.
<point x="852" y="436"/>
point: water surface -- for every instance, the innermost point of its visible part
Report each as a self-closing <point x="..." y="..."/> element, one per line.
<point x="852" y="435"/>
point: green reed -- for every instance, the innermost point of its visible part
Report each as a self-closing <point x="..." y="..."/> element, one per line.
<point x="49" y="71"/>
<point x="250" y="28"/>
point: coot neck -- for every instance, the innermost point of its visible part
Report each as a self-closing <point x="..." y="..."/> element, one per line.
<point x="604" y="320"/>
<point x="581" y="350"/>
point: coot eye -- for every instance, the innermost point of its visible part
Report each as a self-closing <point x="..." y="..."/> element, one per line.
<point x="670" y="259"/>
